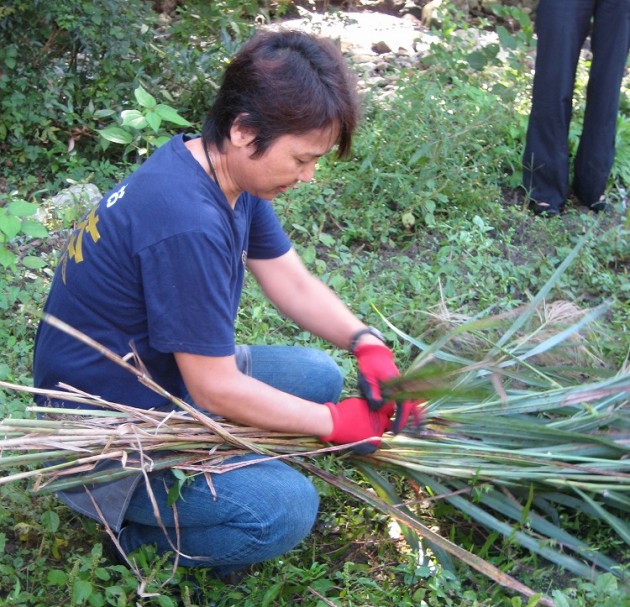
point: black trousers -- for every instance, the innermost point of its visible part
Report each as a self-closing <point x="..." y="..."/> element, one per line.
<point x="562" y="27"/>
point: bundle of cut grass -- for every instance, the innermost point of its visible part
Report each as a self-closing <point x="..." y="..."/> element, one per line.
<point x="523" y="426"/>
<point x="512" y="444"/>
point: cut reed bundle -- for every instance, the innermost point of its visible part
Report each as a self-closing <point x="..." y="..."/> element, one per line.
<point x="68" y="441"/>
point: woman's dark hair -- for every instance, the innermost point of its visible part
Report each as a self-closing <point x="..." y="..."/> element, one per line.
<point x="285" y="83"/>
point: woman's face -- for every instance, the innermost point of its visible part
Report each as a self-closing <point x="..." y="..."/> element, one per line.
<point x="288" y="160"/>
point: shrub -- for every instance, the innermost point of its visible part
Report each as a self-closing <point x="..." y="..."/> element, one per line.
<point x="66" y="68"/>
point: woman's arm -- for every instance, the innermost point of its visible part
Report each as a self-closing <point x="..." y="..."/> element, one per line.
<point x="306" y="300"/>
<point x="216" y="384"/>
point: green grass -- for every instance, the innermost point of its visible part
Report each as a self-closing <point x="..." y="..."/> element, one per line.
<point x="428" y="212"/>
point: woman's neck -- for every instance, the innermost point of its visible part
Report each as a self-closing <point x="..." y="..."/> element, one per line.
<point x="213" y="163"/>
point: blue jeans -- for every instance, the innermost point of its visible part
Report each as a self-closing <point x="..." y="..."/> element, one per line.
<point x="562" y="27"/>
<point x="260" y="511"/>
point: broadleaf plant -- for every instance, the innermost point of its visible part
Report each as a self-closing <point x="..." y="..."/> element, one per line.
<point x="142" y="129"/>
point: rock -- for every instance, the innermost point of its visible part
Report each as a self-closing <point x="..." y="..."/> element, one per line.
<point x="84" y="194"/>
<point x="377" y="42"/>
<point x="380" y="48"/>
<point x="359" y="32"/>
<point x="80" y="196"/>
<point x="428" y="15"/>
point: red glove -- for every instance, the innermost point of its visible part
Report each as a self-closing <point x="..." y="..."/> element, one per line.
<point x="353" y="420"/>
<point x="376" y="364"/>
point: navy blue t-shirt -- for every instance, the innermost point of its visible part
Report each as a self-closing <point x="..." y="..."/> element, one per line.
<point x="156" y="267"/>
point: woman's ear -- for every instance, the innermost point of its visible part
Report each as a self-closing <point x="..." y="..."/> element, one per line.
<point x="241" y="136"/>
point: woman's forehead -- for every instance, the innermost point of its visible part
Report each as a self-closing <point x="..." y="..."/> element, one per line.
<point x="316" y="142"/>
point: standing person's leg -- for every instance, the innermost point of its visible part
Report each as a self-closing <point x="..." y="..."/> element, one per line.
<point x="252" y="513"/>
<point x="610" y="41"/>
<point x="561" y="26"/>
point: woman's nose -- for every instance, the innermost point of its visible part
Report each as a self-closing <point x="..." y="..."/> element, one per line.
<point x="308" y="171"/>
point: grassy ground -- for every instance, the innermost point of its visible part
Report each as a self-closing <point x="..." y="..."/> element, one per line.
<point x="427" y="214"/>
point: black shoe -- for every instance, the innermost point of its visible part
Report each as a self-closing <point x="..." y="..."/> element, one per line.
<point x="600" y="205"/>
<point x="545" y="208"/>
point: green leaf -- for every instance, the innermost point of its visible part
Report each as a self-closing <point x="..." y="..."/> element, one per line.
<point x="534" y="600"/>
<point x="168" y="114"/>
<point x="606" y="584"/>
<point x="477" y="60"/>
<point x="97" y="550"/>
<point x="154" y="120"/>
<point x="97" y="600"/>
<point x="116" y="135"/>
<point x="180" y="475"/>
<point x="144" y="98"/>
<point x="505" y="38"/>
<point x="160" y="141"/>
<point x="81" y="591"/>
<point x="33" y="263"/>
<point x="422" y="155"/>
<point x="57" y="577"/>
<point x="10" y="225"/>
<point x="102" y="574"/>
<point x="272" y="594"/>
<point x="560" y="599"/>
<point x="326" y="239"/>
<point x="21" y="208"/>
<point x="116" y="592"/>
<point x="166" y="601"/>
<point x="50" y="521"/>
<point x="34" y="229"/>
<point x="408" y="220"/>
<point x="103" y="113"/>
<point x="134" y="118"/>
<point x="3" y="536"/>
<point x="174" y="493"/>
<point x="6" y="257"/>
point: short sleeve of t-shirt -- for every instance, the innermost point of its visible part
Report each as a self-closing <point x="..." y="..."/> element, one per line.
<point x="267" y="239"/>
<point x="191" y="303"/>
<point x="193" y="279"/>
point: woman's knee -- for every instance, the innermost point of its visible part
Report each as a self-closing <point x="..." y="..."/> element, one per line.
<point x="294" y="515"/>
<point x="279" y="512"/>
<point x="264" y="510"/>
<point x="305" y="372"/>
<point x="330" y="384"/>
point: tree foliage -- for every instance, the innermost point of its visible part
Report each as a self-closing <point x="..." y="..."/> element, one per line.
<point x="67" y="67"/>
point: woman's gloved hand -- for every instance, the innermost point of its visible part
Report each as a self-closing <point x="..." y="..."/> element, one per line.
<point x="376" y="364"/>
<point x="354" y="420"/>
